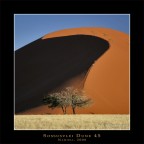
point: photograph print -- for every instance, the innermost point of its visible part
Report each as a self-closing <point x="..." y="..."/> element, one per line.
<point x="71" y="72"/>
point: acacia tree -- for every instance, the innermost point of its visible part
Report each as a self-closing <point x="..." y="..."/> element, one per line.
<point x="52" y="100"/>
<point x="68" y="97"/>
<point x="64" y="100"/>
<point x="78" y="98"/>
<point x="59" y="99"/>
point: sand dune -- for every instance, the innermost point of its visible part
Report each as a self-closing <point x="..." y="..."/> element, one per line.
<point x="104" y="76"/>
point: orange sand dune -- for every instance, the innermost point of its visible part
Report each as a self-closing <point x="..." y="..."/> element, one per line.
<point x="107" y="82"/>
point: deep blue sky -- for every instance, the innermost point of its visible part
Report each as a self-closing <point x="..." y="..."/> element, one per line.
<point x="31" y="27"/>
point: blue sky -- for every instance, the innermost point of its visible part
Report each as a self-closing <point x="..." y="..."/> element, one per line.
<point x="28" y="28"/>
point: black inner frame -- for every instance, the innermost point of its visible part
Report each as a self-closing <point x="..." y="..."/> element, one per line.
<point x="7" y="11"/>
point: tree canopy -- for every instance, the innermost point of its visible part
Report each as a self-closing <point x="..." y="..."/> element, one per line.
<point x="67" y="97"/>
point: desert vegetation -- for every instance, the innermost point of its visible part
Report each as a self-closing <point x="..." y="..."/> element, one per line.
<point x="67" y="97"/>
<point x="73" y="122"/>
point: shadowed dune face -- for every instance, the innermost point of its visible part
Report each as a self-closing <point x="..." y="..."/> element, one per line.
<point x="46" y="65"/>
